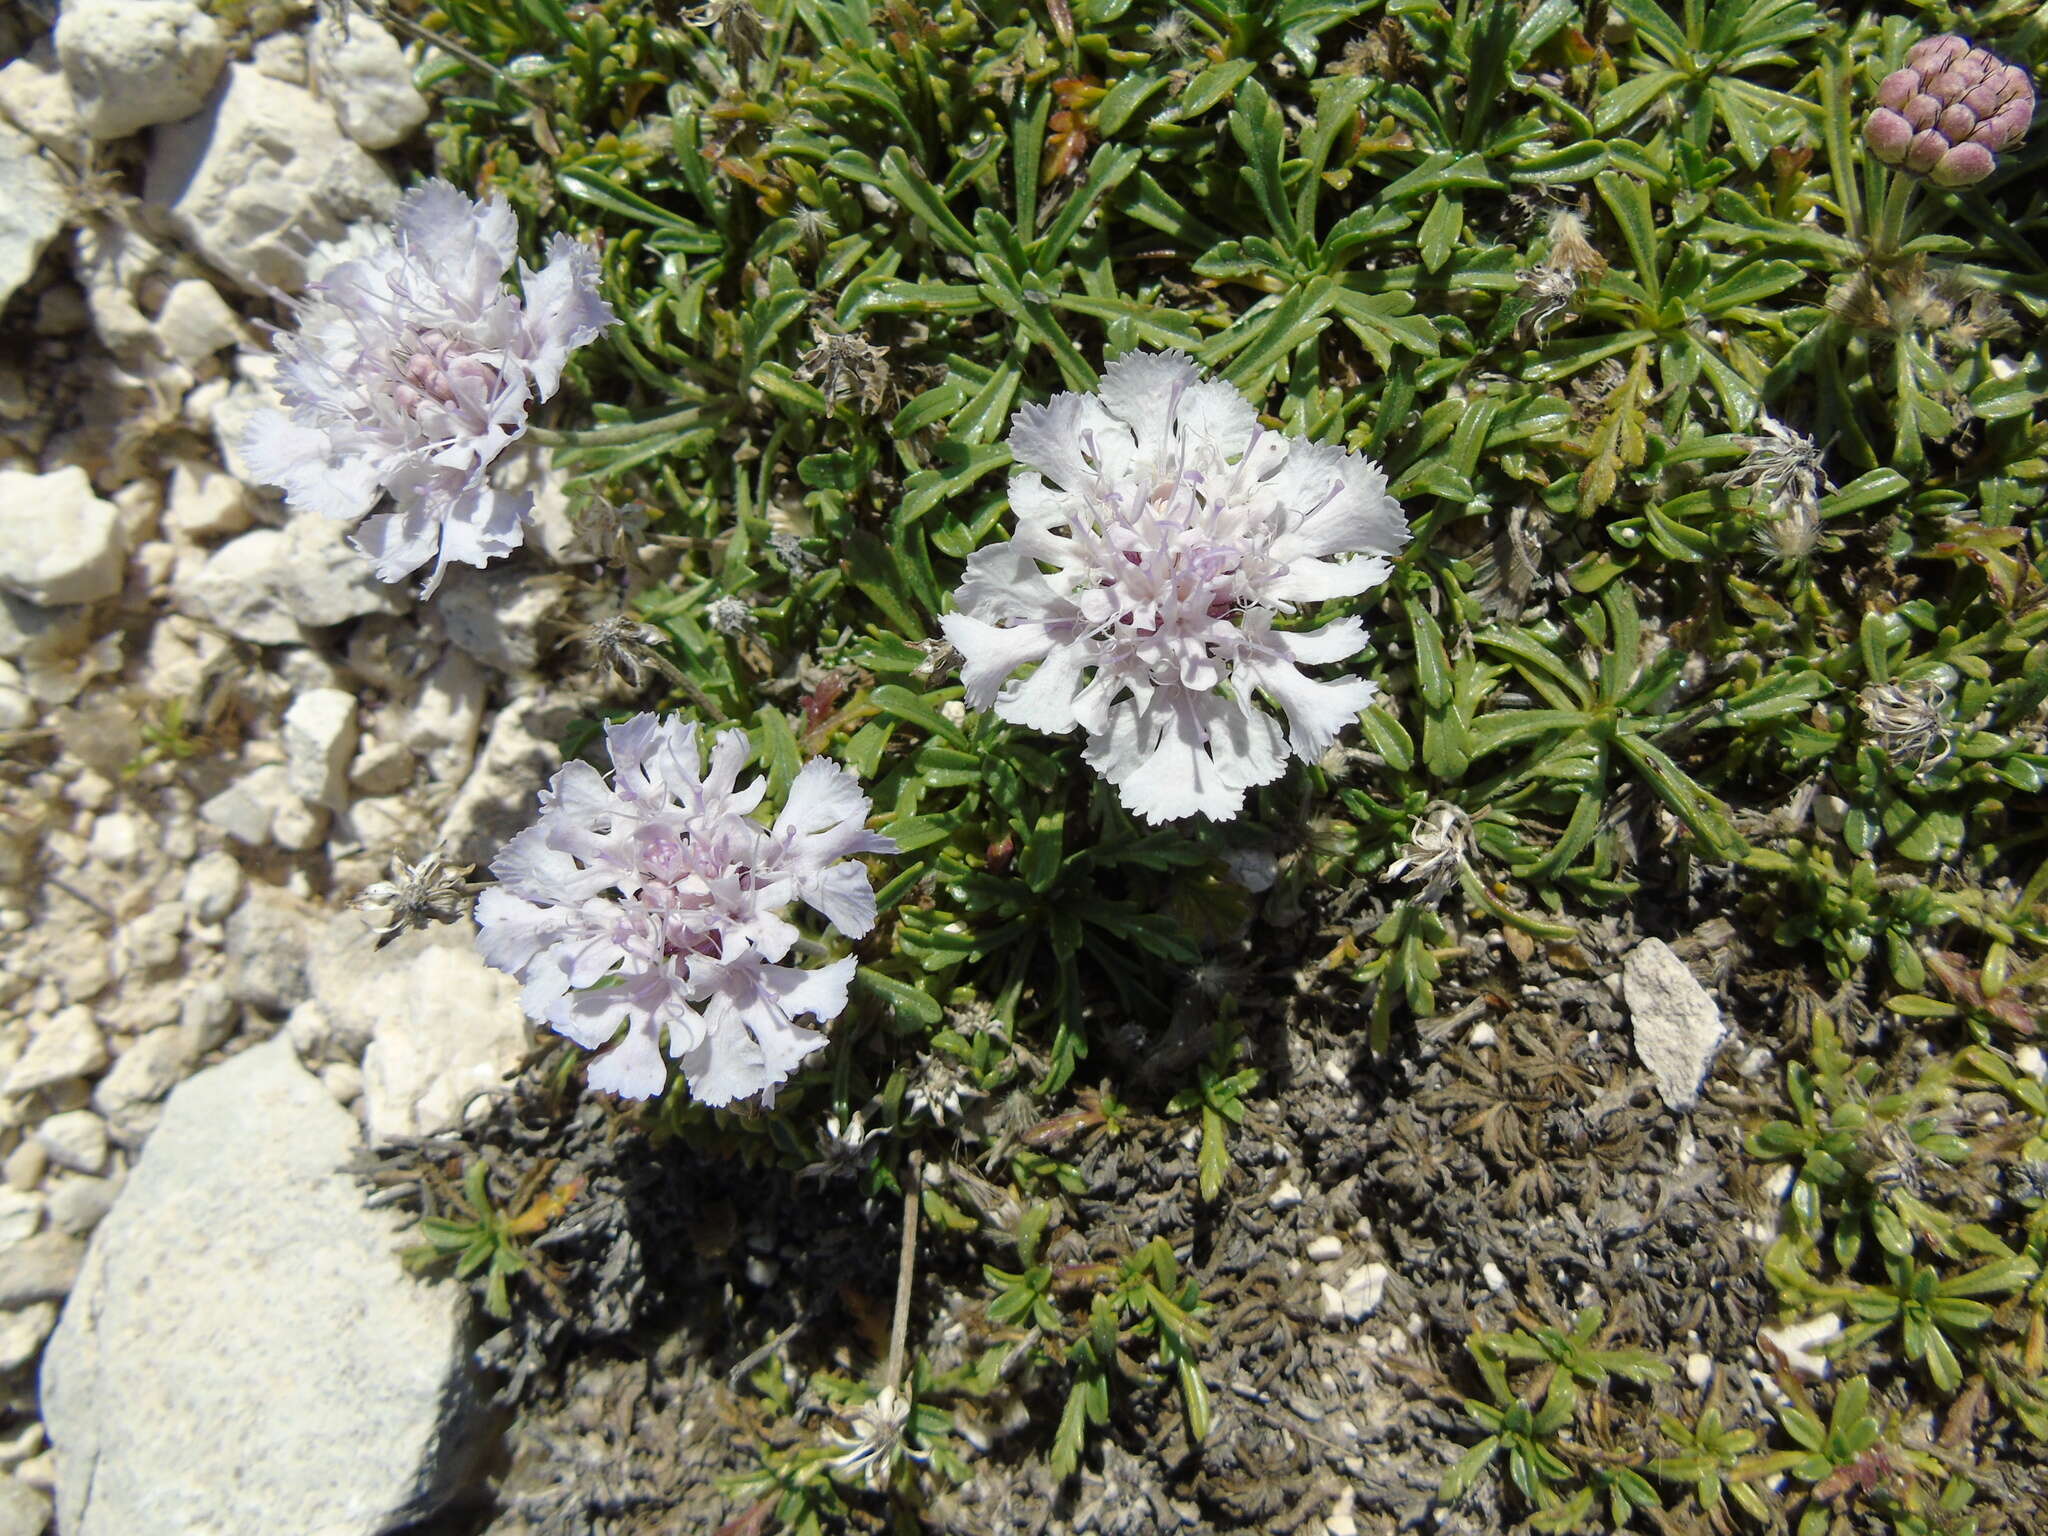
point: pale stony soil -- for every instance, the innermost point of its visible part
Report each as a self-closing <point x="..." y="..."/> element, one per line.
<point x="216" y="727"/>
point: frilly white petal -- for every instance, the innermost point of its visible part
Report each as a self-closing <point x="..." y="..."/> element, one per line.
<point x="1315" y="711"/>
<point x="1316" y="581"/>
<point x="563" y="310"/>
<point x="467" y="245"/>
<point x="1073" y="441"/>
<point x="634" y="1068"/>
<point x="304" y="463"/>
<point x="990" y="654"/>
<point x="1044" y="701"/>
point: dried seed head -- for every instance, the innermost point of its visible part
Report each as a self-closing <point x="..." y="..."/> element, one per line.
<point x="741" y="30"/>
<point x="1438" y="848"/>
<point x="942" y="1088"/>
<point x="1909" y="722"/>
<point x="431" y="891"/>
<point x="789" y="550"/>
<point x="1570" y="250"/>
<point x="1949" y="112"/>
<point x="877" y="1441"/>
<point x="842" y="1146"/>
<point x="1785" y="465"/>
<point x="849" y="366"/>
<point x="729" y="616"/>
<point x="620" y="646"/>
<point x="1550" y="292"/>
<point x="1790" y="533"/>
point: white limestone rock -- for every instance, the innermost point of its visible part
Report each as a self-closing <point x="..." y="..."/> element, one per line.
<point x="135" y="63"/>
<point x="254" y="390"/>
<point x="39" y="1268"/>
<point x="33" y="211"/>
<point x="76" y="1139"/>
<point x="1677" y="1025"/>
<point x="235" y="589"/>
<point x="195" y="322"/>
<point x="497" y="615"/>
<point x="22" y="1333"/>
<point x="21" y="1210"/>
<point x="1799" y="1344"/>
<point x="248" y="809"/>
<point x="442" y="1026"/>
<point x="445" y="715"/>
<point x="36" y="98"/>
<point x="496" y="801"/>
<point x="244" y="1353"/>
<point x="142" y="1074"/>
<point x="204" y="503"/>
<point x="267" y="942"/>
<point x="323" y="579"/>
<point x="282" y="56"/>
<point x="77" y="1204"/>
<point x="24" y="1511"/>
<point x="262" y="175"/>
<point x="213" y="885"/>
<point x="380" y="768"/>
<point x="68" y="1045"/>
<point x="361" y="72"/>
<point x="59" y="543"/>
<point x="319" y="740"/>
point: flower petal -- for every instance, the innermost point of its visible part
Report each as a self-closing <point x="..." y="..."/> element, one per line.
<point x="563" y="310"/>
<point x="990" y="654"/>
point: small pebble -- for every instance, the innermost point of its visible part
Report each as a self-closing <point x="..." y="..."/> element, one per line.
<point x="1285" y="1197"/>
<point x="343" y="1079"/>
<point x="2028" y="1059"/>
<point x="26" y="1165"/>
<point x="1699" y="1370"/>
<point x="1325" y="1247"/>
<point x="1490" y="1273"/>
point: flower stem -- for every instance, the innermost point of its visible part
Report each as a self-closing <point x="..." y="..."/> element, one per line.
<point x="906" y="1270"/>
<point x="1890" y="233"/>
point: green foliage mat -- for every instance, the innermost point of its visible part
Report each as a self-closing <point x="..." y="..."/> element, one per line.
<point x="1724" y="453"/>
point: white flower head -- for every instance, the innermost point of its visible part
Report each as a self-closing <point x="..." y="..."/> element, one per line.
<point x="650" y="907"/>
<point x="412" y="369"/>
<point x="1160" y="533"/>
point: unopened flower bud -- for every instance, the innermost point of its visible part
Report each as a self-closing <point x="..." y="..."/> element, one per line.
<point x="1949" y="112"/>
<point x="1926" y="150"/>
<point x="1963" y="166"/>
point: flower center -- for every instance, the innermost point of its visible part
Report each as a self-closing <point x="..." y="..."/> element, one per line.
<point x="434" y="375"/>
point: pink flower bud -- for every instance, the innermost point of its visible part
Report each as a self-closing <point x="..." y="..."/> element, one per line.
<point x="1956" y="123"/>
<point x="2005" y="129"/>
<point x="1963" y="166"/>
<point x="1984" y="100"/>
<point x="1897" y="88"/>
<point x="1887" y="134"/>
<point x="1925" y="151"/>
<point x="1921" y="111"/>
<point x="1935" y="53"/>
<point x="1948" y="86"/>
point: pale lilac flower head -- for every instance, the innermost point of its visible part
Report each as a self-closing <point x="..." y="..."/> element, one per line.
<point x="648" y="910"/>
<point x="1161" y="531"/>
<point x="412" y="369"/>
